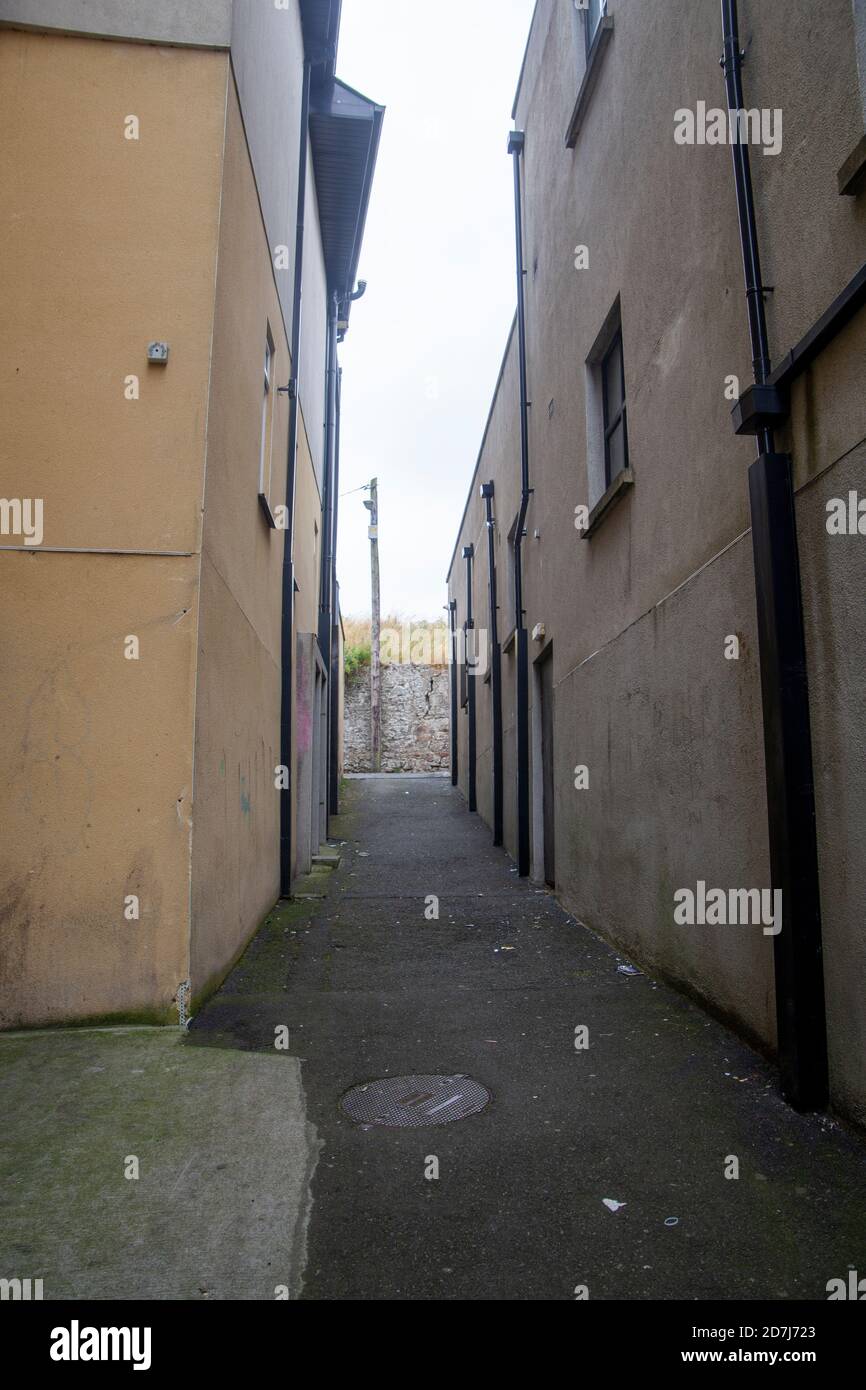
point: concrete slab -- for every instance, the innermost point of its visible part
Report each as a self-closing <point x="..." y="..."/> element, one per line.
<point x="224" y="1153"/>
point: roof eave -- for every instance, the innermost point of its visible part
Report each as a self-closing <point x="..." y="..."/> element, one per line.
<point x="344" y="160"/>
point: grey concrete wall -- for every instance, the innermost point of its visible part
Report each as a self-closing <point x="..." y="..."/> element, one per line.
<point x="498" y="460"/>
<point x="828" y="441"/>
<point x="414" y="719"/>
<point x="638" y="615"/>
<point x="202" y="23"/>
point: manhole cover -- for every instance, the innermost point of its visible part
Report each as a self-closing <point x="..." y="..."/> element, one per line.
<point x="407" y="1102"/>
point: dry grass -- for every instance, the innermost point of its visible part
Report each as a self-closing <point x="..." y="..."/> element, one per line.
<point x="420" y="640"/>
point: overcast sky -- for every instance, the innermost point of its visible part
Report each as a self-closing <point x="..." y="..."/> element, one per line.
<point x="423" y="352"/>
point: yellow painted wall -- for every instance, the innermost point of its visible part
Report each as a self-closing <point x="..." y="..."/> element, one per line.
<point x="107" y="244"/>
<point x="152" y="777"/>
<point x="235" y="867"/>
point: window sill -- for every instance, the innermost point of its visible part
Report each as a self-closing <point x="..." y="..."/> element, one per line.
<point x="509" y="641"/>
<point x="605" y="504"/>
<point x="852" y="175"/>
<point x="590" y="79"/>
<point x="266" y="511"/>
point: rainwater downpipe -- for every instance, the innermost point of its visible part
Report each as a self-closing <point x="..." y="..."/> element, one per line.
<point x="799" y="978"/>
<point x="452" y="620"/>
<point x="469" y="644"/>
<point x="487" y="492"/>
<point x="326" y="568"/>
<point x="334" y="669"/>
<point x="516" y="142"/>
<point x="334" y="647"/>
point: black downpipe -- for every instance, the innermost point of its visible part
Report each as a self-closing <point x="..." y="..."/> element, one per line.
<point x="469" y="646"/>
<point x="452" y="619"/>
<point x="487" y="492"/>
<point x="334" y="650"/>
<point x="334" y="669"/>
<point x="326" y="570"/>
<point x="799" y="976"/>
<point x="288" y="580"/>
<point x="516" y="141"/>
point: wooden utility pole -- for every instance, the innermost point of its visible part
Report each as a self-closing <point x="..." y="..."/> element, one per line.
<point x="375" y="666"/>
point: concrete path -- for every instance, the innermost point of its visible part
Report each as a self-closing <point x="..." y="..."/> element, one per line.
<point x="647" y="1116"/>
<point x="253" y="1185"/>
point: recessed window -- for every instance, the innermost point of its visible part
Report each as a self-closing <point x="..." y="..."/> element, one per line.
<point x="510" y="576"/>
<point x="607" y="451"/>
<point x="593" y="30"/>
<point x="267" y="420"/>
<point x="593" y="13"/>
<point x="614" y="412"/>
<point x="852" y="175"/>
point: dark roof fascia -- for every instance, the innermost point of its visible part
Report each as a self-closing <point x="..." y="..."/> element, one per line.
<point x="333" y="103"/>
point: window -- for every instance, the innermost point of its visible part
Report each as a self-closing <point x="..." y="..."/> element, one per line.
<point x="510" y="575"/>
<point x="267" y="419"/>
<point x="614" y="412"/>
<point x="852" y="175"/>
<point x="593" y="12"/>
<point x="608" y="465"/>
<point x="464" y="675"/>
<point x="593" y="31"/>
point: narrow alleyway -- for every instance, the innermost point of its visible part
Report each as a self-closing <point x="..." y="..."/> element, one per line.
<point x="648" y="1115"/>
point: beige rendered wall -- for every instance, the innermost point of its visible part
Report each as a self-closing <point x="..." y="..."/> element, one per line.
<point x="235" y="861"/>
<point x="108" y="244"/>
<point x="236" y="823"/>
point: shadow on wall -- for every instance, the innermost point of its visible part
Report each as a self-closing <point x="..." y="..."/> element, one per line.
<point x="414" y="716"/>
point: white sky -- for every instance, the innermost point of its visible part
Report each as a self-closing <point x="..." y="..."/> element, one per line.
<point x="425" y="344"/>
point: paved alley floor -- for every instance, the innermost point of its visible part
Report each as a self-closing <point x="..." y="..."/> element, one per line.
<point x="648" y="1116"/>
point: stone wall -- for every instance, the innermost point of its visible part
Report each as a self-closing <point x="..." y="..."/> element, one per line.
<point x="414" y="719"/>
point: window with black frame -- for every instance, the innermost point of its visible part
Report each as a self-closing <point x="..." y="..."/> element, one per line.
<point x="509" y="596"/>
<point x="594" y="11"/>
<point x="613" y="400"/>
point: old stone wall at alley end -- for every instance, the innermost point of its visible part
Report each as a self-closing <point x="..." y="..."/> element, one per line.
<point x="414" y="719"/>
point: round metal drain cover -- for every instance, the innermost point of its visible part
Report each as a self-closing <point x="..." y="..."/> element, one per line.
<point x="408" y="1102"/>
